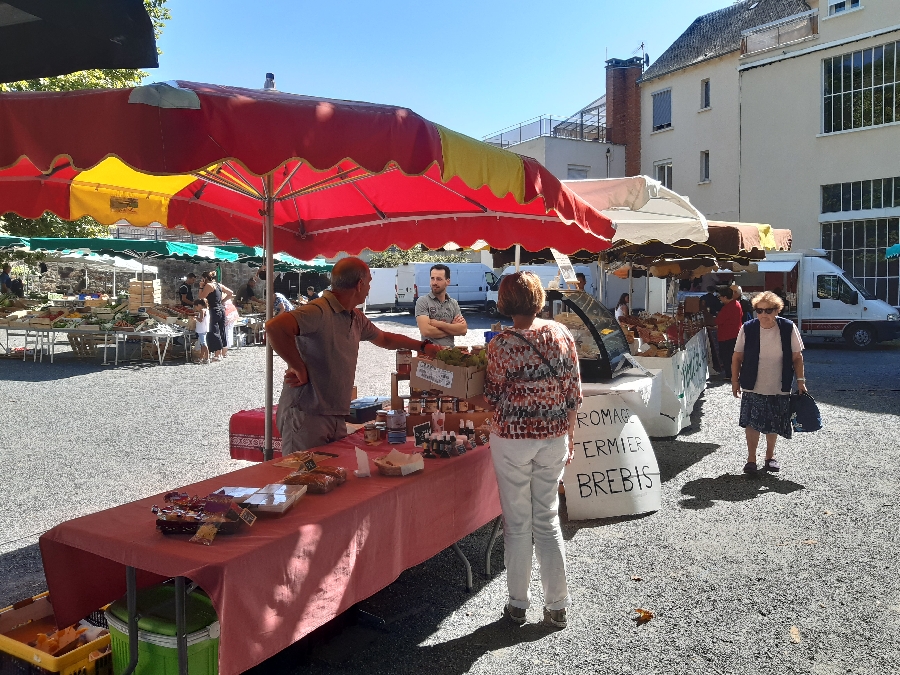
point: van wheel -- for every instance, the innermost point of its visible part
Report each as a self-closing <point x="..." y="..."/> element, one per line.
<point x="859" y="336"/>
<point x="491" y="308"/>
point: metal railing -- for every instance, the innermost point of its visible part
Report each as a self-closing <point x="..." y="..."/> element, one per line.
<point x="782" y="32"/>
<point x="585" y="125"/>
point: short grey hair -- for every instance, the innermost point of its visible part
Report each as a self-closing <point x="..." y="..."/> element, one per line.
<point x="347" y="273"/>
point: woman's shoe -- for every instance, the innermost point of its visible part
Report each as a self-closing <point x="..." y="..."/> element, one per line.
<point x="750" y="467"/>
<point x="556" y="617"/>
<point x="515" y="614"/>
<point x="773" y="465"/>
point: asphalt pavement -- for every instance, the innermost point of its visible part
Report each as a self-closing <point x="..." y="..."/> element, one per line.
<point x="794" y="572"/>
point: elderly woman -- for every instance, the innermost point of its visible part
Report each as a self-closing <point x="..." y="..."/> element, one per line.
<point x="533" y="381"/>
<point x="767" y="357"/>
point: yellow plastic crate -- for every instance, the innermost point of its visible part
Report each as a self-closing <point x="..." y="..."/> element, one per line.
<point x="39" y="611"/>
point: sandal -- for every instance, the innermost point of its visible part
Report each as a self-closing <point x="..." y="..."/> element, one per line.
<point x="773" y="465"/>
<point x="750" y="467"/>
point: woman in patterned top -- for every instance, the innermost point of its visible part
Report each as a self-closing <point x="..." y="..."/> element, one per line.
<point x="533" y="381"/>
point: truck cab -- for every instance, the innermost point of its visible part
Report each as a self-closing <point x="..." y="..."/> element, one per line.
<point x="829" y="303"/>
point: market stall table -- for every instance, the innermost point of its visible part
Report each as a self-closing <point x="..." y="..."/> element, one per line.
<point x="279" y="580"/>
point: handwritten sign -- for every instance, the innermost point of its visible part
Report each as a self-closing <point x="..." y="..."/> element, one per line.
<point x="690" y="372"/>
<point x="439" y="376"/>
<point x="565" y="266"/>
<point x="614" y="471"/>
<point x="421" y="432"/>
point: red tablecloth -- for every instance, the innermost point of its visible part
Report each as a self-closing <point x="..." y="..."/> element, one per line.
<point x="247" y="434"/>
<point x="276" y="582"/>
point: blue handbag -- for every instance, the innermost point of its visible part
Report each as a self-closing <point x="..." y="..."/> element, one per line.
<point x="805" y="415"/>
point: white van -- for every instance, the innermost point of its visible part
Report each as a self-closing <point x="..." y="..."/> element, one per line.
<point x="831" y="304"/>
<point x="546" y="273"/>
<point x="469" y="283"/>
<point x="383" y="291"/>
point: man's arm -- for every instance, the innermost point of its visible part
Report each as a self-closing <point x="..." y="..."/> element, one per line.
<point x="428" y="329"/>
<point x="280" y="333"/>
<point x="396" y="341"/>
<point x="456" y="327"/>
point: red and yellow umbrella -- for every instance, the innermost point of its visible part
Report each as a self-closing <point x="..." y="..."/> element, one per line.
<point x="335" y="175"/>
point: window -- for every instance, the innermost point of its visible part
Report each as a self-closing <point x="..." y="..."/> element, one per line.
<point x="858" y="247"/>
<point x="833" y="287"/>
<point x="704" y="95"/>
<point x="664" y="173"/>
<point x="704" y="166"/>
<point x="860" y="89"/>
<point x="577" y="172"/>
<point x="838" y="6"/>
<point x="880" y="193"/>
<point x="662" y="110"/>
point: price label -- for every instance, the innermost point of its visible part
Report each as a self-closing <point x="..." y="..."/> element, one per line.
<point x="247" y="517"/>
<point x="421" y="432"/>
<point x="439" y="376"/>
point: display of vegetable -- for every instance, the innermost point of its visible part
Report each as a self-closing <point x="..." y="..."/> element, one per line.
<point x="459" y="357"/>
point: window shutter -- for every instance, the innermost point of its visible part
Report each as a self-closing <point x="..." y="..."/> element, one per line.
<point x="662" y="110"/>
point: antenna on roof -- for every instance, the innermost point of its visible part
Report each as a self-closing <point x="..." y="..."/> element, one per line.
<point x="270" y="81"/>
<point x="645" y="58"/>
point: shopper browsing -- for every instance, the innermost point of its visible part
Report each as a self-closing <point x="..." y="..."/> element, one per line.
<point x="202" y="328"/>
<point x="216" y="295"/>
<point x="728" y="324"/>
<point x="319" y="341"/>
<point x="622" y="306"/>
<point x="533" y="381"/>
<point x="437" y="314"/>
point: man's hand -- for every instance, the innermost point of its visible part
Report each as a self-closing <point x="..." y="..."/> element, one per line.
<point x="736" y="389"/>
<point x="296" y="377"/>
<point x="458" y="319"/>
<point x="431" y="349"/>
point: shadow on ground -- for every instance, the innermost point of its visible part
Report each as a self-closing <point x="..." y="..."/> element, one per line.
<point x="704" y="492"/>
<point x="21" y="575"/>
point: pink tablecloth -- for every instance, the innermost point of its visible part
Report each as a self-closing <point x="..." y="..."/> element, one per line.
<point x="247" y="435"/>
<point x="276" y="582"/>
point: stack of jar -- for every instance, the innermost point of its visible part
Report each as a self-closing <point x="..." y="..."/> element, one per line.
<point x="432" y="401"/>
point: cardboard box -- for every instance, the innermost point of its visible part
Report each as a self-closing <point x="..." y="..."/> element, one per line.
<point x="451" y="380"/>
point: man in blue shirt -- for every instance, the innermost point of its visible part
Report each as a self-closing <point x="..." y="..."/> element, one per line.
<point x="5" y="279"/>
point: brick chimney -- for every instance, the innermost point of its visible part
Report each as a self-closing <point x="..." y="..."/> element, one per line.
<point x="623" y="109"/>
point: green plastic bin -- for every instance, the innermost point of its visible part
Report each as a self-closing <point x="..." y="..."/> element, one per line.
<point x="157" y="648"/>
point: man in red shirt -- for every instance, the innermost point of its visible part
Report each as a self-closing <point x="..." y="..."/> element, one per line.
<point x="728" y="324"/>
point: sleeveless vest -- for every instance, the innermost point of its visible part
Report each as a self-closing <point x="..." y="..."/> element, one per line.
<point x="750" y="365"/>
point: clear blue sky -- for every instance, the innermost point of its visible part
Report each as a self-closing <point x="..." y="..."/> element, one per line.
<point x="474" y="67"/>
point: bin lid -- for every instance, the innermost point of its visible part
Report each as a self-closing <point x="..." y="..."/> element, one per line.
<point x="156" y="605"/>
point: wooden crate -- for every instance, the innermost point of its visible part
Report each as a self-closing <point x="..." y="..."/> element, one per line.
<point x="84" y="346"/>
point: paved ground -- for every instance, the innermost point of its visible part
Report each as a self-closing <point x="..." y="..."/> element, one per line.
<point x="744" y="575"/>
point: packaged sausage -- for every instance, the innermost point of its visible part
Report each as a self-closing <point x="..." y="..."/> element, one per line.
<point x="339" y="473"/>
<point x="316" y="483"/>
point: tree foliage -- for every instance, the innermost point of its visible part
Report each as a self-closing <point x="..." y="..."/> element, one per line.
<point x="394" y="257"/>
<point x="50" y="225"/>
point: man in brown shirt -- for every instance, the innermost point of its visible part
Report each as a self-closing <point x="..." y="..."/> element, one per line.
<point x="319" y="341"/>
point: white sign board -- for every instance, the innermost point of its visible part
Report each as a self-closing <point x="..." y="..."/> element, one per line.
<point x="439" y="376"/>
<point x="565" y="266"/>
<point x="614" y="471"/>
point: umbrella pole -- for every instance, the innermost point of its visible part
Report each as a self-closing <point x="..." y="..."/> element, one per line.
<point x="647" y="292"/>
<point x="518" y="256"/>
<point x="270" y="303"/>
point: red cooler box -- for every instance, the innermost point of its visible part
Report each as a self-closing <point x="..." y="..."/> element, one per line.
<point x="247" y="431"/>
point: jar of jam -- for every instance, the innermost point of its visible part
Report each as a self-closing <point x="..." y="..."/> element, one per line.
<point x="371" y="432"/>
<point x="404" y="361"/>
<point x="462" y="405"/>
<point x="448" y="404"/>
<point x="415" y="405"/>
<point x="381" y="416"/>
<point x="431" y="404"/>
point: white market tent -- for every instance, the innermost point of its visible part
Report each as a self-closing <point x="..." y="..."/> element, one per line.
<point x="642" y="209"/>
<point x="105" y="263"/>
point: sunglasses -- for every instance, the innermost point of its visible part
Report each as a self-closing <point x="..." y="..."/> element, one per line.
<point x="766" y="310"/>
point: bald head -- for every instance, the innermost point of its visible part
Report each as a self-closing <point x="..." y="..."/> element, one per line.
<point x="347" y="273"/>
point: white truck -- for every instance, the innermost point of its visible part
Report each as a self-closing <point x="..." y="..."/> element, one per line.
<point x="383" y="291"/>
<point x="469" y="284"/>
<point x="830" y="304"/>
<point x="547" y="273"/>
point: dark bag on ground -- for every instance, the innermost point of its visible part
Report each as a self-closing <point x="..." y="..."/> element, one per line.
<point x="805" y="415"/>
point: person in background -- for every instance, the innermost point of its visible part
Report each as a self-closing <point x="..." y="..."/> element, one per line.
<point x="249" y="290"/>
<point x="5" y="279"/>
<point x="319" y="342"/>
<point x="231" y="318"/>
<point x="215" y="295"/>
<point x="710" y="306"/>
<point x="768" y="355"/>
<point x="437" y="314"/>
<point x="186" y="291"/>
<point x="533" y="381"/>
<point x="202" y="328"/>
<point x="622" y="306"/>
<point x="728" y="325"/>
<point x="310" y="293"/>
<point x="581" y="280"/>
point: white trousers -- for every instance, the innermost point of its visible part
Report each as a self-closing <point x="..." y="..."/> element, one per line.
<point x="528" y="474"/>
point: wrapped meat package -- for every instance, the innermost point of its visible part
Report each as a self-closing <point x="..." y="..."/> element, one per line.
<point x="316" y="483"/>
<point x="339" y="473"/>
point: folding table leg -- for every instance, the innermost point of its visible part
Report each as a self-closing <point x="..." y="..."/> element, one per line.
<point x="131" y="599"/>
<point x="181" y="625"/>
<point x="495" y="531"/>
<point x="462" y="556"/>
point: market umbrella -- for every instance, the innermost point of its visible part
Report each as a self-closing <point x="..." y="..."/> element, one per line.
<point x="7" y="242"/>
<point x="255" y="256"/>
<point x="295" y="174"/>
<point x="43" y="38"/>
<point x="137" y="249"/>
<point x="893" y="252"/>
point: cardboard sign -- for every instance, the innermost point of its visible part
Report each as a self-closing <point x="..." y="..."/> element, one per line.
<point x="565" y="266"/>
<point x="614" y="471"/>
<point x="442" y="378"/>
